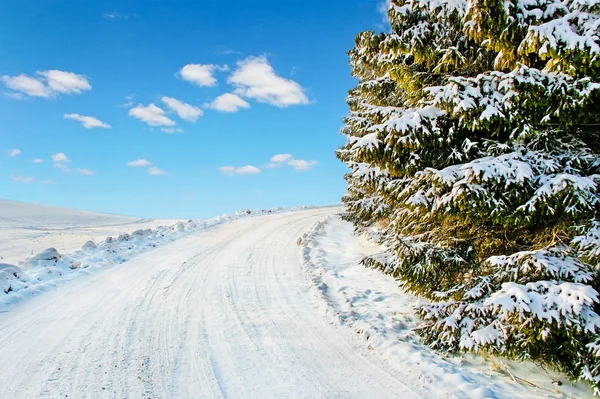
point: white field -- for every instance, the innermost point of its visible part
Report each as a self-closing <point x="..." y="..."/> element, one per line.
<point x="27" y="229"/>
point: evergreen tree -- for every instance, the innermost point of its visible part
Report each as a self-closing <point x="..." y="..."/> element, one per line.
<point x="473" y="142"/>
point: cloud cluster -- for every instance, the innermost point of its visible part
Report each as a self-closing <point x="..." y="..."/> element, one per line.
<point x="280" y="160"/>
<point x="151" y="115"/>
<point x="59" y="161"/>
<point x="276" y="161"/>
<point x="254" y="78"/>
<point x="87" y="122"/>
<point x="46" y="84"/>
<point x="14" y="152"/>
<point x="143" y="163"/>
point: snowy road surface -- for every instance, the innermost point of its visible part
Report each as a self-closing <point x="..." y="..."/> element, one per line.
<point x="222" y="313"/>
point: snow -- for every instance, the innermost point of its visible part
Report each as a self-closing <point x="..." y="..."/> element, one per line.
<point x="224" y="312"/>
<point x="26" y="229"/>
<point x="214" y="309"/>
<point x="382" y="317"/>
<point x="68" y="228"/>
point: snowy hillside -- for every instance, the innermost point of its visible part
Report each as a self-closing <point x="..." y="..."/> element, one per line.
<point x="26" y="229"/>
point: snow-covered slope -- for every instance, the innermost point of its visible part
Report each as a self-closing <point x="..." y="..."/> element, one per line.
<point x="381" y="315"/>
<point x="27" y="229"/>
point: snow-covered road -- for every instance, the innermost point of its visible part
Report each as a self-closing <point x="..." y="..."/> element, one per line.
<point x="221" y="313"/>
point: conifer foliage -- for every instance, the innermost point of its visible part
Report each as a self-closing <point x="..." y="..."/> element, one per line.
<point x="473" y="142"/>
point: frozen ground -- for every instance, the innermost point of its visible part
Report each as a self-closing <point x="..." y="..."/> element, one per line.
<point x="381" y="316"/>
<point x="27" y="229"/>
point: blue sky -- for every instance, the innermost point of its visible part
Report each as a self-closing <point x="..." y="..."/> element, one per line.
<point x="248" y="98"/>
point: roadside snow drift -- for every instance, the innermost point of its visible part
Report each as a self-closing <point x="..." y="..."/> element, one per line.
<point x="27" y="229"/>
<point x="381" y="314"/>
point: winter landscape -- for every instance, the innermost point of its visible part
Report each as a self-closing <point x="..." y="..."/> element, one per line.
<point x="445" y="245"/>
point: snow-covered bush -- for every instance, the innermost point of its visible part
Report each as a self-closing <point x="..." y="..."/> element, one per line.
<point x="473" y="135"/>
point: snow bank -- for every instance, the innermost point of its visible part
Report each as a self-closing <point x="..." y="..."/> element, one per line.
<point x="383" y="317"/>
<point x="50" y="267"/>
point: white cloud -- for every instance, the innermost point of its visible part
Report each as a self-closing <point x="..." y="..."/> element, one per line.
<point x="281" y="158"/>
<point x="301" y="164"/>
<point x="26" y="85"/>
<point x="22" y="179"/>
<point x="242" y="170"/>
<point x="201" y="75"/>
<point x="14" y="152"/>
<point x="87" y="122"/>
<point x="45" y="182"/>
<point x="151" y="115"/>
<point x="59" y="157"/>
<point x="185" y="111"/>
<point x="171" y="130"/>
<point x="37" y="160"/>
<point x="65" y="82"/>
<point x="255" y="78"/>
<point x="227" y="102"/>
<point x="84" y="172"/>
<point x="154" y="171"/>
<point x="139" y="162"/>
<point x="47" y="83"/>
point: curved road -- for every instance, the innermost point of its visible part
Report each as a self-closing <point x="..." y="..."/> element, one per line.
<point x="224" y="313"/>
